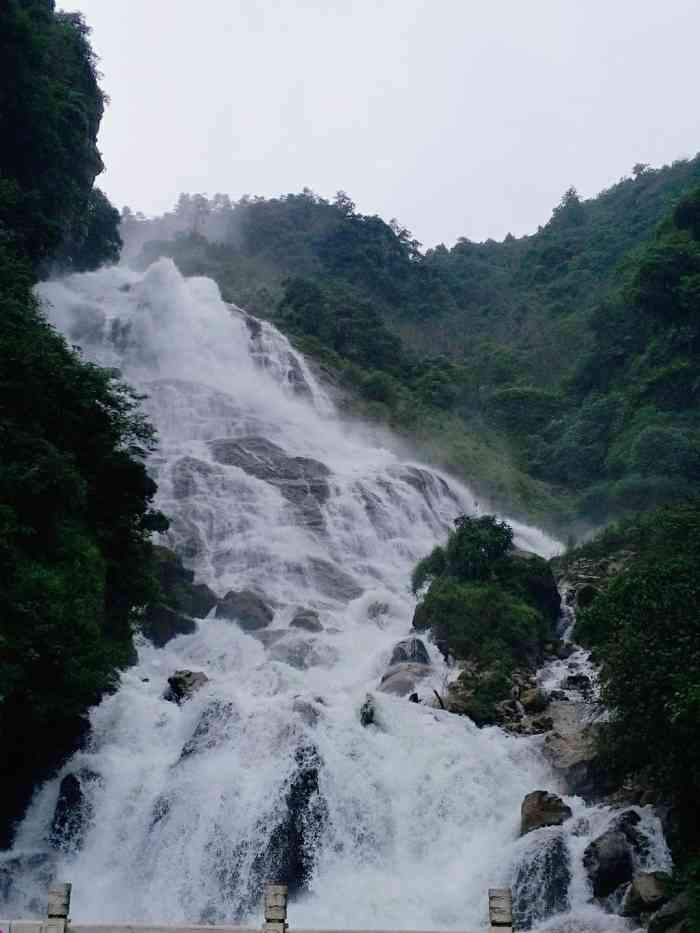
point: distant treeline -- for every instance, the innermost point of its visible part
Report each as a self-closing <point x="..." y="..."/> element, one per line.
<point x="558" y="371"/>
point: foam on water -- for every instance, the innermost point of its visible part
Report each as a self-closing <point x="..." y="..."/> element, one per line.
<point x="406" y="822"/>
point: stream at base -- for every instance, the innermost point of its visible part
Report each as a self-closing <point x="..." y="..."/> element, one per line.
<point x="267" y="772"/>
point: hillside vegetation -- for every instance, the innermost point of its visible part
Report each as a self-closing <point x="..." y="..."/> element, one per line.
<point x="556" y="372"/>
<point x="74" y="493"/>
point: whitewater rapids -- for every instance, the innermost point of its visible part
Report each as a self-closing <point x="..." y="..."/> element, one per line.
<point x="406" y="822"/>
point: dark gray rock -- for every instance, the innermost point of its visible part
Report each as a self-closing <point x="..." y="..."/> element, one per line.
<point x="215" y="727"/>
<point x="306" y="619"/>
<point x="299" y="652"/>
<point x="541" y="808"/>
<point x="269" y="637"/>
<point x="183" y="684"/>
<point x="608" y="861"/>
<point x="332" y="581"/>
<point x="246" y="608"/>
<point x="160" y="624"/>
<point x="301" y="480"/>
<point x="401" y="679"/>
<point x="671" y="915"/>
<point x="628" y="824"/>
<point x="541" y="883"/>
<point x="410" y="649"/>
<point x="577" y="682"/>
<point x="648" y="892"/>
<point x="73" y="812"/>
<point x="289" y="856"/>
<point x="368" y="711"/>
<point x="534" y="700"/>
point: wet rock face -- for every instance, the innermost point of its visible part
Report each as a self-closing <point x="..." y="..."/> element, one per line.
<point x="541" y="808"/>
<point x="608" y="861"/>
<point x="410" y="649"/>
<point x="183" y="684"/>
<point x="332" y="581"/>
<point x="289" y="856"/>
<point x="673" y="916"/>
<point x="368" y="711"/>
<point x="161" y="624"/>
<point x="572" y="750"/>
<point x="73" y="812"/>
<point x="541" y="883"/>
<point x="300" y="652"/>
<point x="534" y="700"/>
<point x="182" y="599"/>
<point x="306" y="619"/>
<point x="214" y="728"/>
<point x="301" y="480"/>
<point x="246" y="608"/>
<point x="401" y="679"/>
<point x="648" y="892"/>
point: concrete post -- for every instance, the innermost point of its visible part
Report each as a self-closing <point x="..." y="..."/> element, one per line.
<point x="275" y="908"/>
<point x="59" y="901"/>
<point x="500" y="910"/>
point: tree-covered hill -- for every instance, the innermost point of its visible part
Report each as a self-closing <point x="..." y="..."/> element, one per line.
<point x="74" y="494"/>
<point x="542" y="368"/>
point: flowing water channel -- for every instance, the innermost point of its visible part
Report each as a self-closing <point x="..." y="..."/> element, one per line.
<point x="268" y="770"/>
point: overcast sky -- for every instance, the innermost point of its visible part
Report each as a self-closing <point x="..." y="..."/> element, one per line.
<point x="458" y="117"/>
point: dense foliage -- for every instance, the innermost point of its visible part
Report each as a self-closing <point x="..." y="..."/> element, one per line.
<point x="556" y="371"/>
<point x="645" y="631"/>
<point x="74" y="493"/>
<point x="486" y="604"/>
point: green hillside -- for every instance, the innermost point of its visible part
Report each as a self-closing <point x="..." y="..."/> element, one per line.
<point x="547" y="370"/>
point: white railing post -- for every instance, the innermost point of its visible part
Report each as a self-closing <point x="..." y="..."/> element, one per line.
<point x="275" y="908"/>
<point x="500" y="910"/>
<point x="58" y="909"/>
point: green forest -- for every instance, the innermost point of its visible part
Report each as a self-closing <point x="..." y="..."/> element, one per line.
<point x="75" y="497"/>
<point x="561" y="378"/>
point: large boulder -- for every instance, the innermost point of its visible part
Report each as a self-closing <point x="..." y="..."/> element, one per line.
<point x="73" y="811"/>
<point x="672" y="916"/>
<point x="332" y="581"/>
<point x="410" y="649"/>
<point x="178" y="587"/>
<point x="628" y="824"/>
<point x="608" y="862"/>
<point x="246" y="608"/>
<point x="421" y="618"/>
<point x="541" y="886"/>
<point x="301" y="652"/>
<point x="649" y="891"/>
<point x="290" y="853"/>
<point x="301" y="480"/>
<point x="306" y="619"/>
<point x="534" y="700"/>
<point x="541" y="808"/>
<point x="572" y="749"/>
<point x="401" y="679"/>
<point x="183" y="684"/>
<point x="160" y="624"/>
<point x="215" y="727"/>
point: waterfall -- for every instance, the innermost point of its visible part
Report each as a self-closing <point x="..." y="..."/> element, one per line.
<point x="268" y="771"/>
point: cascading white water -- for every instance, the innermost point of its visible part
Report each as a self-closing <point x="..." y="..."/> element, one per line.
<point x="268" y="768"/>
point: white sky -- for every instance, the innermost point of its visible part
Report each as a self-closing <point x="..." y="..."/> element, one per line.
<point x="458" y="117"/>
